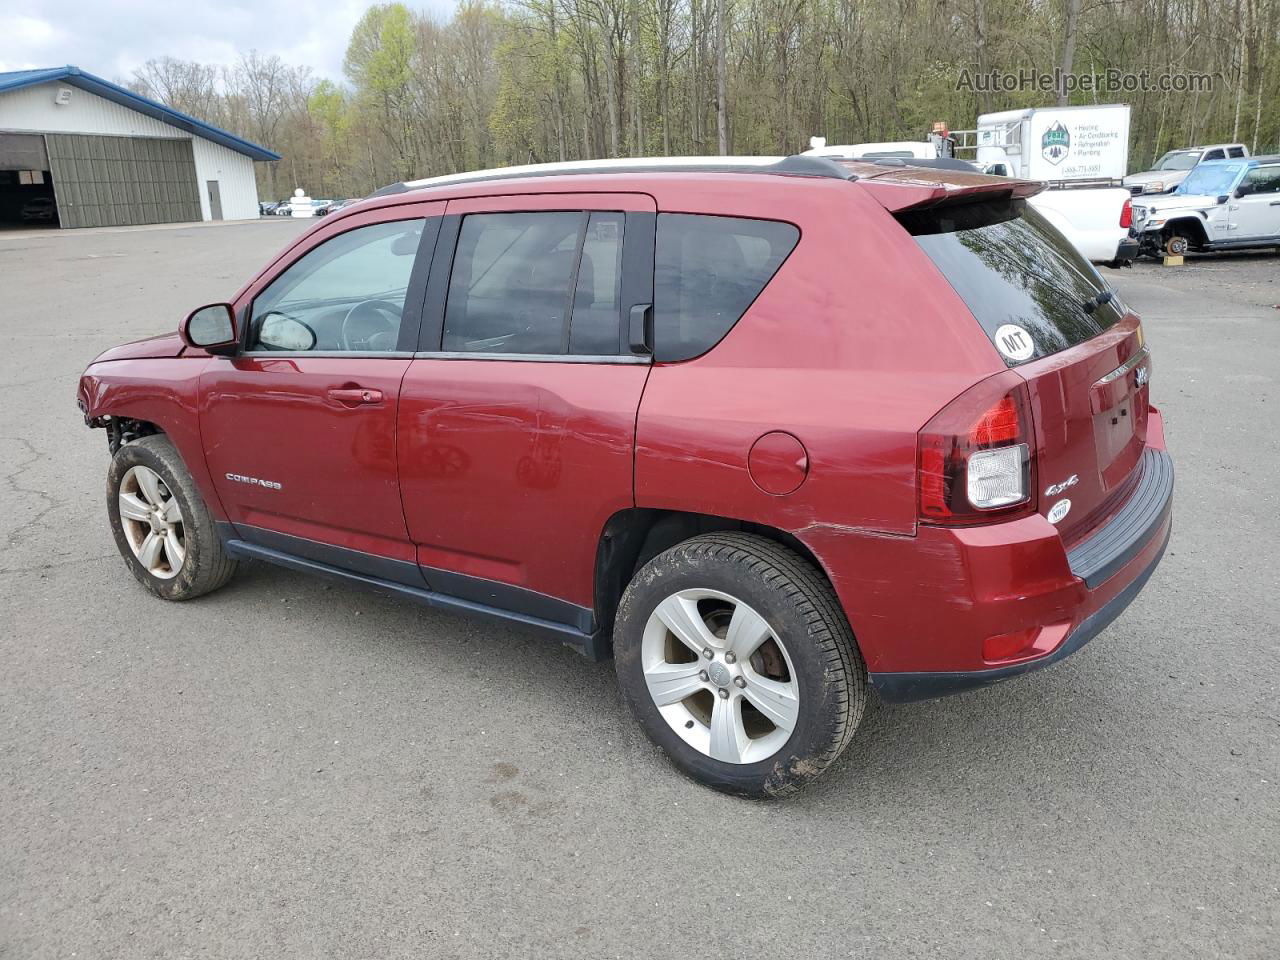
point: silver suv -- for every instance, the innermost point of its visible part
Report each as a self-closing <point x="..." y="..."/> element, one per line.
<point x="1221" y="205"/>
<point x="1171" y="169"/>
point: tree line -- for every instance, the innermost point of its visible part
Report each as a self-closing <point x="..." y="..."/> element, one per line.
<point x="524" y="81"/>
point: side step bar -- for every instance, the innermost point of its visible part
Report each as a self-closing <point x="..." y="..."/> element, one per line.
<point x="591" y="645"/>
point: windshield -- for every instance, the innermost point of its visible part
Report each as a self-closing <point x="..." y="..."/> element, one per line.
<point x="1011" y="267"/>
<point x="1177" y="160"/>
<point x="1210" y="180"/>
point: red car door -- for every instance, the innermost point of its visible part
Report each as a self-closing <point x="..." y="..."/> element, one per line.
<point x="299" y="428"/>
<point x="517" y="418"/>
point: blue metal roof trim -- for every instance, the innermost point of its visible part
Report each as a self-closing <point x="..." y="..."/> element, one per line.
<point x="106" y="89"/>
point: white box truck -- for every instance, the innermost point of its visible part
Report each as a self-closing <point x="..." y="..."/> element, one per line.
<point x="1056" y="143"/>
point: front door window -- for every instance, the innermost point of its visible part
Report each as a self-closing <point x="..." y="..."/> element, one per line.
<point x="346" y="295"/>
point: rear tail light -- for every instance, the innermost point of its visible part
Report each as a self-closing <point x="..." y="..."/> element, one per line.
<point x="1126" y="213"/>
<point x="975" y="461"/>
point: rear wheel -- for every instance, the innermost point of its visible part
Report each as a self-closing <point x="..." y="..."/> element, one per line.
<point x="733" y="654"/>
<point x="161" y="525"/>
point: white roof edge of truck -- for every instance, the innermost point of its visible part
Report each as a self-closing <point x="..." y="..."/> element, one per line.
<point x="1025" y="112"/>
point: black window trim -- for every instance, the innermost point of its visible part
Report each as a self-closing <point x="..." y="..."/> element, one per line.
<point x="415" y="294"/>
<point x="638" y="232"/>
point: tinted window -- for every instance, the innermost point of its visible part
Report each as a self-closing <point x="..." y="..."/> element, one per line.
<point x="1262" y="180"/>
<point x="593" y="328"/>
<point x="535" y="283"/>
<point x="1011" y="267"/>
<point x="346" y="294"/>
<point x="1235" y="152"/>
<point x="707" y="272"/>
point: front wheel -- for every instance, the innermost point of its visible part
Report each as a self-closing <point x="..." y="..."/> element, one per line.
<point x="735" y="657"/>
<point x="1176" y="245"/>
<point x="161" y="525"/>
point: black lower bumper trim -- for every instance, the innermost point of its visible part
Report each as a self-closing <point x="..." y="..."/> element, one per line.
<point x="913" y="686"/>
<point x="1126" y="534"/>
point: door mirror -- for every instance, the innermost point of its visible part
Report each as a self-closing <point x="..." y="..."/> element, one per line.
<point x="1243" y="191"/>
<point x="280" y="332"/>
<point x="211" y="328"/>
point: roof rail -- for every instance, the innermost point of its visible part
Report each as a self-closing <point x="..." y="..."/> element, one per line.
<point x="795" y="166"/>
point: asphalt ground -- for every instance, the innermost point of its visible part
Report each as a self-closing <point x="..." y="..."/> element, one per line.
<point x="290" y="768"/>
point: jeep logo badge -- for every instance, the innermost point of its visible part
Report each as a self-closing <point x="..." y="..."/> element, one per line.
<point x="1056" y="143"/>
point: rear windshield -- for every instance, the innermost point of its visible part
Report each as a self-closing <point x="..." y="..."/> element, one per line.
<point x="1029" y="288"/>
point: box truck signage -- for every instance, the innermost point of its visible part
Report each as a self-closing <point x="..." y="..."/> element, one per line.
<point x="1079" y="143"/>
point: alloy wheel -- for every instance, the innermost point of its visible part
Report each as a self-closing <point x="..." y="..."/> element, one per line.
<point x="720" y="676"/>
<point x="152" y="522"/>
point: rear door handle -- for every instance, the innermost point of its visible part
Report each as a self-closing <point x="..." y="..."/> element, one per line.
<point x="355" y="396"/>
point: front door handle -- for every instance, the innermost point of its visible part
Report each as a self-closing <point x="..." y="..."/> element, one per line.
<point x="1274" y="203"/>
<point x="355" y="396"/>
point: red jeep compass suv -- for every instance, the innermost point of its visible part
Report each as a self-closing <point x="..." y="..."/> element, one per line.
<point x="764" y="430"/>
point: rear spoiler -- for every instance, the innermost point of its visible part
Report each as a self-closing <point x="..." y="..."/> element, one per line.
<point x="912" y="187"/>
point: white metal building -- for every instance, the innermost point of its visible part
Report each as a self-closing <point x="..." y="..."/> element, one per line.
<point x="80" y="151"/>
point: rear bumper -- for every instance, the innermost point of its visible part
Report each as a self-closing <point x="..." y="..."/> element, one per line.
<point x="1126" y="252"/>
<point x="923" y="608"/>
<point x="1112" y="565"/>
<point x="912" y="686"/>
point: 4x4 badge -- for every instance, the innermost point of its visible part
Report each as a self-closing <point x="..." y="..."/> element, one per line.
<point x="1056" y="488"/>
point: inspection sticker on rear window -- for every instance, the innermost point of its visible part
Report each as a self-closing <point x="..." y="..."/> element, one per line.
<point x="1014" y="343"/>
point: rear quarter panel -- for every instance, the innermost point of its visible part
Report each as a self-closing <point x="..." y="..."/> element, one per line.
<point x="856" y="342"/>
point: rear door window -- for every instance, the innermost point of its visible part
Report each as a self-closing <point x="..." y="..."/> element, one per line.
<point x="1014" y="270"/>
<point x="543" y="283"/>
<point x="708" y="270"/>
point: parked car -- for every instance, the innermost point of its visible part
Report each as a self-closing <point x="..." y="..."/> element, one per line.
<point x="284" y="208"/>
<point x="266" y="208"/>
<point x="322" y="206"/>
<point x="1171" y="169"/>
<point x="39" y="210"/>
<point x="1221" y="205"/>
<point x="767" y="434"/>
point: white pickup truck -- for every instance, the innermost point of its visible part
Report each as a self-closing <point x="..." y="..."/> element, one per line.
<point x="1096" y="219"/>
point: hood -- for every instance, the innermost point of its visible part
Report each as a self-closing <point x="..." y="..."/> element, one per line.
<point x="161" y="345"/>
<point x="1177" y="201"/>
<point x="1170" y="178"/>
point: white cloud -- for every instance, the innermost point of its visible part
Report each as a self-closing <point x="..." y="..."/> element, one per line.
<point x="112" y="38"/>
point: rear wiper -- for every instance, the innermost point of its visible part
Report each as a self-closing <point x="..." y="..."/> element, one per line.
<point x="1094" y="302"/>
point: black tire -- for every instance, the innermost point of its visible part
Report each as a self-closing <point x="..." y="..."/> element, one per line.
<point x="206" y="566"/>
<point x="801" y="608"/>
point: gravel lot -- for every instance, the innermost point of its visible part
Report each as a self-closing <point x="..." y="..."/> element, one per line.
<point x="289" y="768"/>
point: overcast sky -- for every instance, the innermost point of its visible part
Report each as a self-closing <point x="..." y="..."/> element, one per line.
<point x="111" y="38"/>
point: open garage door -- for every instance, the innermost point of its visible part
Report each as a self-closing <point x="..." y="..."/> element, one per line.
<point x="26" y="185"/>
<point x="114" y="181"/>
